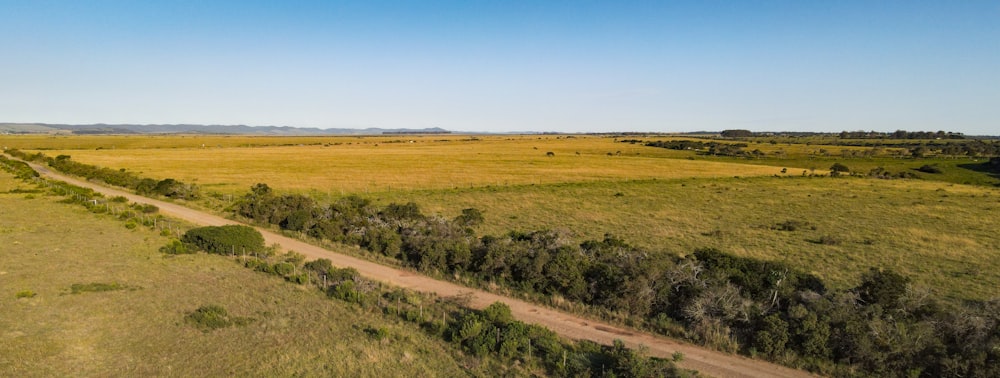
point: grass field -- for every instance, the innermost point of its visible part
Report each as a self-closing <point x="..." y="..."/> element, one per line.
<point x="380" y="165"/>
<point x="937" y="230"/>
<point x="943" y="235"/>
<point x="140" y="330"/>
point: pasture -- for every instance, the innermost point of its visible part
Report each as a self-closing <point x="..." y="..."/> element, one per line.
<point x="345" y="165"/>
<point x="81" y="295"/>
<point x="936" y="229"/>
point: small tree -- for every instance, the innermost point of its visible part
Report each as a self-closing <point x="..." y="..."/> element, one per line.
<point x="883" y="287"/>
<point x="837" y="169"/>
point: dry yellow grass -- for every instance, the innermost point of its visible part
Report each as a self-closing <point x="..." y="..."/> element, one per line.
<point x="365" y="165"/>
<point x="140" y="331"/>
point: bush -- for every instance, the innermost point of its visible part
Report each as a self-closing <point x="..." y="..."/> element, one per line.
<point x="836" y="169"/>
<point x="883" y="287"/>
<point x="147" y="208"/>
<point x="320" y="266"/>
<point x="346" y="291"/>
<point x="96" y="287"/>
<point x="212" y="317"/>
<point x="25" y="294"/>
<point x="176" y="247"/>
<point x="377" y="333"/>
<point x="225" y="239"/>
<point x="927" y="168"/>
<point x="827" y="240"/>
<point x="792" y="225"/>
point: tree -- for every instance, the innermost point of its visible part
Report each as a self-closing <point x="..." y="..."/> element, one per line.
<point x="838" y="168"/>
<point x="737" y="133"/>
<point x="772" y="335"/>
<point x="883" y="287"/>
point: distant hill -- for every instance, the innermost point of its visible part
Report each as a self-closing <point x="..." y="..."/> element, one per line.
<point x="100" y="128"/>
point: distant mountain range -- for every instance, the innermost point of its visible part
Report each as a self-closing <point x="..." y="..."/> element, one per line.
<point x="100" y="128"/>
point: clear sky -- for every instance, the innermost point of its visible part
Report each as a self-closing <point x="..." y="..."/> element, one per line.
<point x="572" y="66"/>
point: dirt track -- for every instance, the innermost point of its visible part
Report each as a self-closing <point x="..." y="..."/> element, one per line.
<point x="706" y="361"/>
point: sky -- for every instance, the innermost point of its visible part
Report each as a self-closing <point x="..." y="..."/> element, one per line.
<point x="506" y="66"/>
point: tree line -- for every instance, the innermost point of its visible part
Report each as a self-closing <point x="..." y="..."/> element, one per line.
<point x="881" y="327"/>
<point x="146" y="186"/>
<point x="706" y="148"/>
<point x="900" y="134"/>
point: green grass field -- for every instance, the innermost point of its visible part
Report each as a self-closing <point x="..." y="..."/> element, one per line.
<point x="943" y="235"/>
<point x="139" y="330"/>
<point x="936" y="229"/>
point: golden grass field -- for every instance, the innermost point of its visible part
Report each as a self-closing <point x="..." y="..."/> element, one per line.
<point x="377" y="164"/>
<point x="140" y="331"/>
<point x="942" y="234"/>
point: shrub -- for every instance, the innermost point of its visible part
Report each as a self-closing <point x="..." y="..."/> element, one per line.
<point x="320" y="266"/>
<point x="176" y="247"/>
<point x="836" y="169"/>
<point x="377" y="333"/>
<point x="346" y="291"/>
<point x="147" y="208"/>
<point x="927" y="168"/>
<point x="827" y="240"/>
<point x="25" y="294"/>
<point x="225" y="239"/>
<point x="284" y="269"/>
<point x="212" y="317"/>
<point x="96" y="287"/>
<point x="792" y="225"/>
<point x="883" y="287"/>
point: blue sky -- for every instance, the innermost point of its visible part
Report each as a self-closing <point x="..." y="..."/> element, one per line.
<point x="572" y="66"/>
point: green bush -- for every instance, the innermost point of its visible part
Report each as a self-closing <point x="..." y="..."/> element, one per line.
<point x="212" y="317"/>
<point x="346" y="291"/>
<point x="320" y="266"/>
<point x="176" y="247"/>
<point x="96" y="287"/>
<point x="927" y="168"/>
<point x="377" y="333"/>
<point x="25" y="294"/>
<point x="224" y="240"/>
<point x="284" y="269"/>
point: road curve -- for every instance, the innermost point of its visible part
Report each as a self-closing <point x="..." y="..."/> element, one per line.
<point x="705" y="361"/>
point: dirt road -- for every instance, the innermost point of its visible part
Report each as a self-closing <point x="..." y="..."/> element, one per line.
<point x="706" y="361"/>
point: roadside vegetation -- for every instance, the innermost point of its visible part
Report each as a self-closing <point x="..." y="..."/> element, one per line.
<point x="879" y="326"/>
<point x="478" y="343"/>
